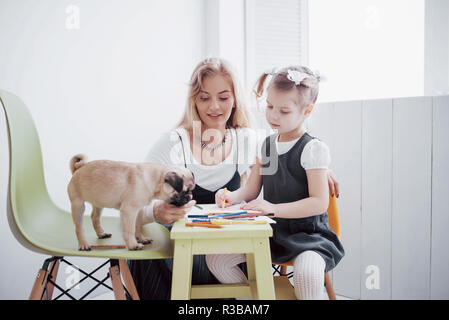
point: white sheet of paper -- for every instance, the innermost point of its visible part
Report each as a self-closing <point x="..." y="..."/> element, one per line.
<point x="214" y="208"/>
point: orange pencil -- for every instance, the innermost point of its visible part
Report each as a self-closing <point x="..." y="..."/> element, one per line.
<point x="223" y="212"/>
<point x="202" y="224"/>
<point x="224" y="201"/>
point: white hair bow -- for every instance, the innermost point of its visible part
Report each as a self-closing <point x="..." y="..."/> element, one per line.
<point x="296" y="76"/>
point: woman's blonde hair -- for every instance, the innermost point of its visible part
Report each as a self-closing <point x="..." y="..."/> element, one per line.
<point x="307" y="89"/>
<point x="209" y="67"/>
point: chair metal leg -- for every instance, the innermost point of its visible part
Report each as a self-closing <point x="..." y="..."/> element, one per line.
<point x="41" y="284"/>
<point x="54" y="267"/>
<point x="329" y="287"/>
<point x="46" y="280"/>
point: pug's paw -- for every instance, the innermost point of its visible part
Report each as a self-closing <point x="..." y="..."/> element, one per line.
<point x="144" y="240"/>
<point x="136" y="247"/>
<point x="84" y="247"/>
<point x="104" y="235"/>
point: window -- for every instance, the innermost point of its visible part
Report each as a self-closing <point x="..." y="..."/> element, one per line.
<point x="367" y="49"/>
<point x="276" y="34"/>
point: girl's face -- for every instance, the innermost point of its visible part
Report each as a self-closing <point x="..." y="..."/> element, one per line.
<point x="283" y="111"/>
<point x="215" y="101"/>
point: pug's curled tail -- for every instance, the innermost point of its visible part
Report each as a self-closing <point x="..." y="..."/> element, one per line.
<point x="77" y="162"/>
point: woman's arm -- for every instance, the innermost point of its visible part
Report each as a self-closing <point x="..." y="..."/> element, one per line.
<point x="334" y="187"/>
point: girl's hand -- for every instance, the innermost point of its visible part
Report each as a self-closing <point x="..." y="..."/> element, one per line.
<point x="167" y="213"/>
<point x="229" y="198"/>
<point x="260" y="205"/>
<point x="334" y="187"/>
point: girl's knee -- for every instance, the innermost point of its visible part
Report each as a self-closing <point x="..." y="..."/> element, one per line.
<point x="309" y="264"/>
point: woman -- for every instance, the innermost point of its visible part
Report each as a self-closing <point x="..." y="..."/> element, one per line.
<point x="215" y="142"/>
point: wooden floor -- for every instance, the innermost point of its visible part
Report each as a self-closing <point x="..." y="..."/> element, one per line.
<point x="284" y="291"/>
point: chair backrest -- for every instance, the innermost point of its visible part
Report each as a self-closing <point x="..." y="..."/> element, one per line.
<point x="332" y="212"/>
<point x="27" y="191"/>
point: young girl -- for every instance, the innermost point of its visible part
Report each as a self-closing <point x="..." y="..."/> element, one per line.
<point x="292" y="170"/>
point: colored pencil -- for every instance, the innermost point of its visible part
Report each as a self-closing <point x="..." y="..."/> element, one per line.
<point x="199" y="224"/>
<point x="227" y="222"/>
<point x="223" y="202"/>
<point x="223" y="212"/>
<point x="249" y="215"/>
<point x="197" y="216"/>
<point x="226" y="212"/>
<point x="231" y="214"/>
<point x="210" y="220"/>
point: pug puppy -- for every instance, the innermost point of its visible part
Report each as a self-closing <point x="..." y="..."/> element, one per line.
<point x="127" y="187"/>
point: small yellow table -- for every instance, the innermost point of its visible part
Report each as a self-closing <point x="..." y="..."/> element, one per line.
<point x="252" y="240"/>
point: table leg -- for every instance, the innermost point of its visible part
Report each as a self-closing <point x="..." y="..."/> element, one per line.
<point x="182" y="270"/>
<point x="251" y="274"/>
<point x="262" y="266"/>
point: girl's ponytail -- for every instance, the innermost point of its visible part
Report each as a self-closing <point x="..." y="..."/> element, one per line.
<point x="260" y="84"/>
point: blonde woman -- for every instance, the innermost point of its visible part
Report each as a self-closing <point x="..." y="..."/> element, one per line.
<point x="214" y="141"/>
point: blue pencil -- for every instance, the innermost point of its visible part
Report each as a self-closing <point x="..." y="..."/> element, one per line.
<point x="209" y="220"/>
<point x="230" y="214"/>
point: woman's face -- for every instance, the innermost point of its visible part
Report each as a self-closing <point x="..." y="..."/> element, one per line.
<point x="215" y="101"/>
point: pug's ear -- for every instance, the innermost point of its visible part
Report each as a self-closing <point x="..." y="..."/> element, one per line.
<point x="174" y="180"/>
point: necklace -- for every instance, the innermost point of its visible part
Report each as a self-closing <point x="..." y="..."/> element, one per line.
<point x="207" y="147"/>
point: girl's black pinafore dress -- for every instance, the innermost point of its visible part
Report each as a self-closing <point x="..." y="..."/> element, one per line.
<point x="288" y="183"/>
<point x="153" y="277"/>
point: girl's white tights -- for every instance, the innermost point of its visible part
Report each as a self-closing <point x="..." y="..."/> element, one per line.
<point x="308" y="272"/>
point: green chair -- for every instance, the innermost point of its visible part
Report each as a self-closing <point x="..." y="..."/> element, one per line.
<point x="40" y="226"/>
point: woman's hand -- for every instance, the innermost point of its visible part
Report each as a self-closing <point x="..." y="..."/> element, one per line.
<point x="334" y="187"/>
<point x="167" y="213"/>
<point x="260" y="205"/>
<point x="229" y="197"/>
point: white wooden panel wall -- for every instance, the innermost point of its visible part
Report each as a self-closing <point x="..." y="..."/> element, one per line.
<point x="377" y="126"/>
<point x="393" y="207"/>
<point x="345" y="145"/>
<point x="348" y="170"/>
<point x="412" y="127"/>
<point x="440" y="203"/>
<point x="322" y="125"/>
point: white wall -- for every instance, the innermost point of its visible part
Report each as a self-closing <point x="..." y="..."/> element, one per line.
<point x="368" y="49"/>
<point x="437" y="48"/>
<point x="391" y="158"/>
<point x="106" y="89"/>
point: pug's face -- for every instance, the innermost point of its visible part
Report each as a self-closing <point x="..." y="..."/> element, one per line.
<point x="179" y="184"/>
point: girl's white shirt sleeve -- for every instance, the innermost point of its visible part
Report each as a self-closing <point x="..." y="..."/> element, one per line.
<point x="315" y="155"/>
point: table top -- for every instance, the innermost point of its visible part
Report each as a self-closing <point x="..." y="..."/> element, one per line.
<point x="180" y="231"/>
